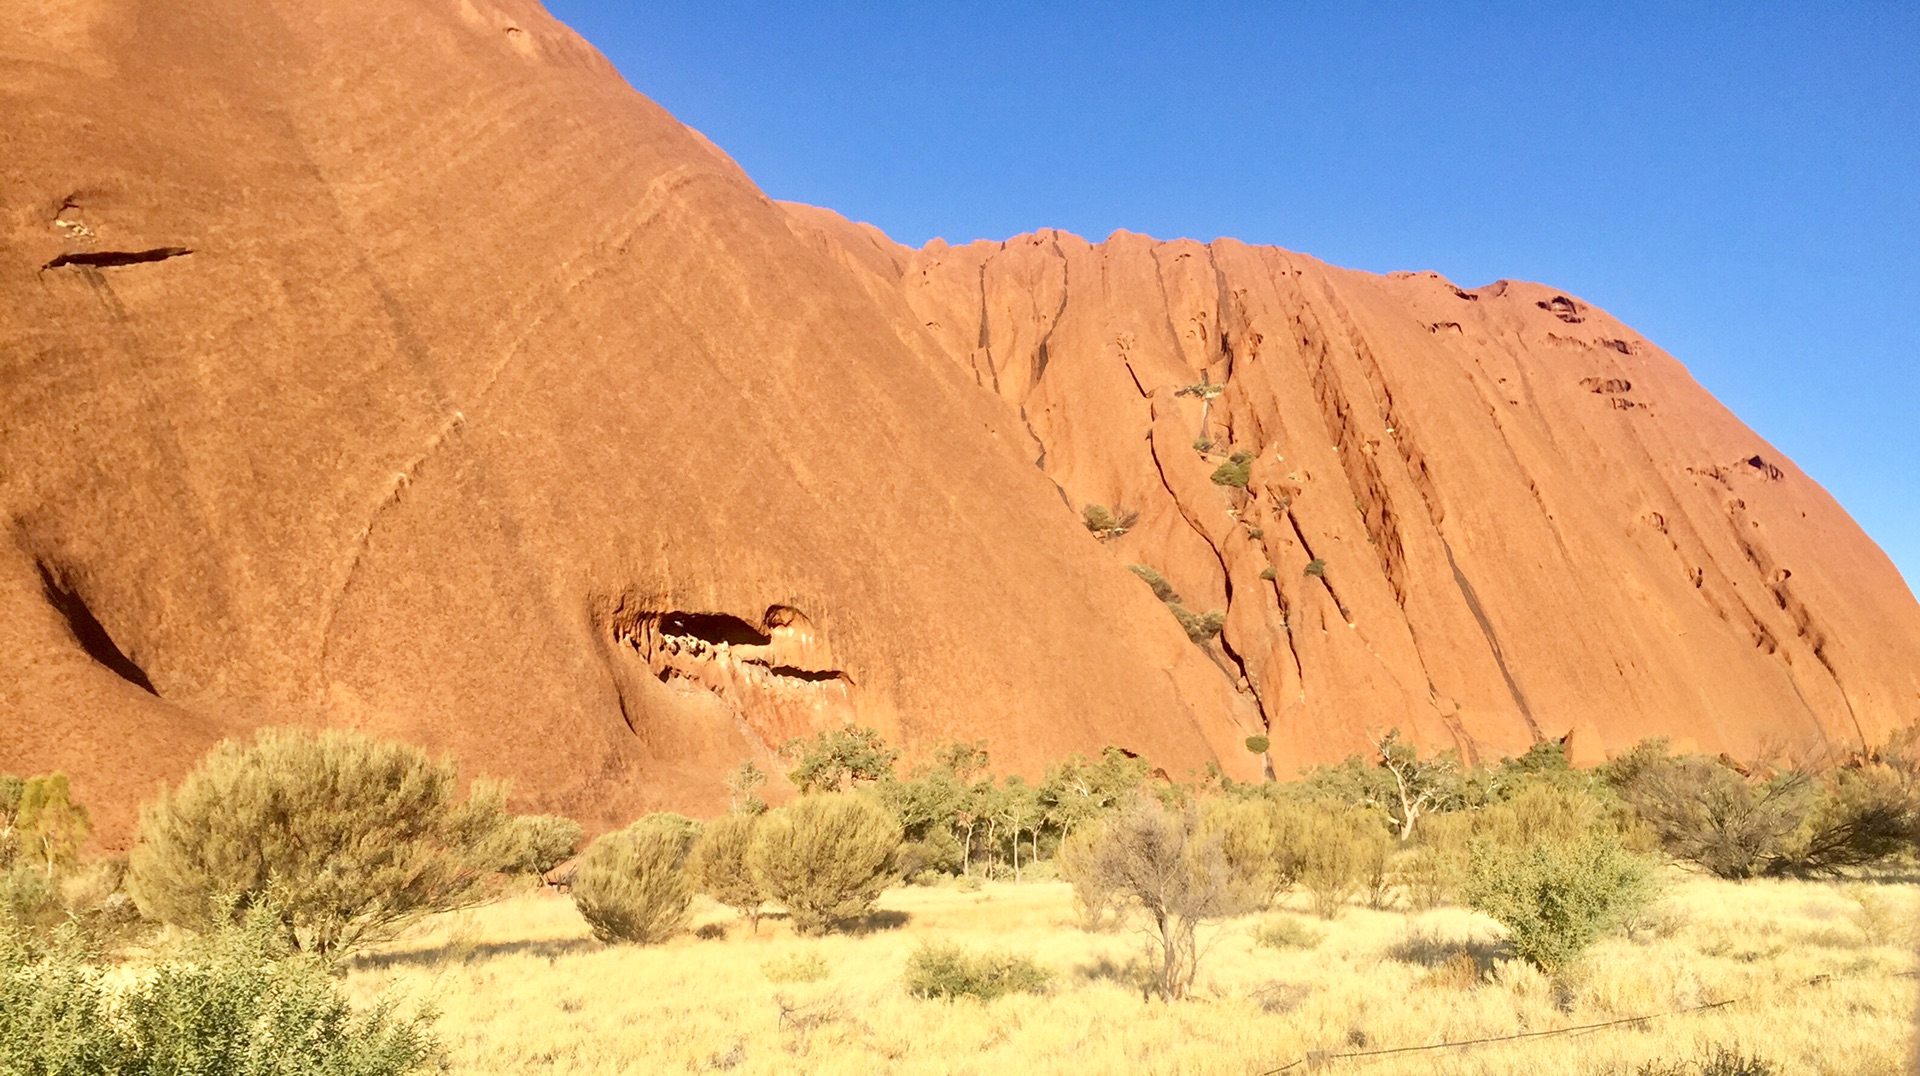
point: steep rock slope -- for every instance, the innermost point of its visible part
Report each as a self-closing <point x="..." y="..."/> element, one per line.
<point x="1489" y="517"/>
<point x="392" y="364"/>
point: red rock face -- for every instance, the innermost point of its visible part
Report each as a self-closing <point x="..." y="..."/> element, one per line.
<point x="392" y="364"/>
<point x="1489" y="517"/>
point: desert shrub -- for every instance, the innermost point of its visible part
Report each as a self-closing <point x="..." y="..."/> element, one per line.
<point x="1250" y="833"/>
<point x="48" y="827"/>
<point x="948" y="971"/>
<point x="1720" y="1060"/>
<point x="1200" y="627"/>
<point x="535" y="844"/>
<point x="1258" y="744"/>
<point x="632" y="887"/>
<point x="1734" y="825"/>
<point x="1235" y="472"/>
<point x="1107" y="523"/>
<point x="837" y="759"/>
<point x="30" y="905"/>
<point x="718" y="865"/>
<point x="825" y="857"/>
<point x="1557" y="896"/>
<point x="1317" y="567"/>
<point x="1095" y="899"/>
<point x="795" y="968"/>
<point x="1339" y="851"/>
<point x="1864" y="815"/>
<point x="1157" y="582"/>
<point x="1267" y="573"/>
<point x="1166" y="864"/>
<point x="235" y="1003"/>
<point x="1286" y="932"/>
<point x="351" y="838"/>
<point x="11" y="789"/>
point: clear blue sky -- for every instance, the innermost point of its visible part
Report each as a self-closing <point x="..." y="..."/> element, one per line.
<point x="1740" y="182"/>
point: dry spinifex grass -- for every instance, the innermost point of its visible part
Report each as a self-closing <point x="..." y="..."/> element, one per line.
<point x="527" y="992"/>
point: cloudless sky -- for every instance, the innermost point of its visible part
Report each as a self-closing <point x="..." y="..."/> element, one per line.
<point x="1739" y="182"/>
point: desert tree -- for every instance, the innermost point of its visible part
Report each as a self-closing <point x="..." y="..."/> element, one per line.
<point x="1164" y="863"/>
<point x="1079" y="790"/>
<point x="11" y="790"/>
<point x="347" y="837"/>
<point x="743" y="786"/>
<point x="838" y="759"/>
<point x="1419" y="784"/>
<point x="49" y="826"/>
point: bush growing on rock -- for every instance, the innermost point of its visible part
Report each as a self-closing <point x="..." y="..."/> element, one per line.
<point x="348" y="836"/>
<point x="632" y="885"/>
<point x="825" y="857"/>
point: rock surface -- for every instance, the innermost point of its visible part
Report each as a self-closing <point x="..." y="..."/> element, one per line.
<point x="392" y="364"/>
<point x="1490" y="516"/>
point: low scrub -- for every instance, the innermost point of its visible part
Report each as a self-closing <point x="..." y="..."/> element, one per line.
<point x="826" y="857"/>
<point x="1558" y="896"/>
<point x="948" y="971"/>
<point x="795" y="968"/>
<point x="718" y="865"/>
<point x="1737" y="824"/>
<point x="632" y="886"/>
<point x="238" y="1002"/>
<point x="1286" y="932"/>
<point x="350" y="837"/>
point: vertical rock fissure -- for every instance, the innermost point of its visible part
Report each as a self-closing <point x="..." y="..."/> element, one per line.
<point x="1493" y="641"/>
<point x="1307" y="548"/>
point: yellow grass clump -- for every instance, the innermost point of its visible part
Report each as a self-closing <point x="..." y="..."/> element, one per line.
<point x="522" y="988"/>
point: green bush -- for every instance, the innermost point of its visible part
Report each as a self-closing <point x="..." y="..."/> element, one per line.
<point x="1161" y="588"/>
<point x="1339" y="851"/>
<point x="826" y="858"/>
<point x="1317" y="567"/>
<point x="234" y="1004"/>
<point x="47" y="827"/>
<point x="350" y="837"/>
<point x="1258" y="744"/>
<point x="718" y="865"/>
<point x="948" y="971"/>
<point x="795" y="968"/>
<point x="1286" y="932"/>
<point x="1557" y="896"/>
<point x="838" y="759"/>
<point x="632" y="886"/>
<point x="1235" y="472"/>
<point x="535" y="844"/>
<point x="1200" y="627"/>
